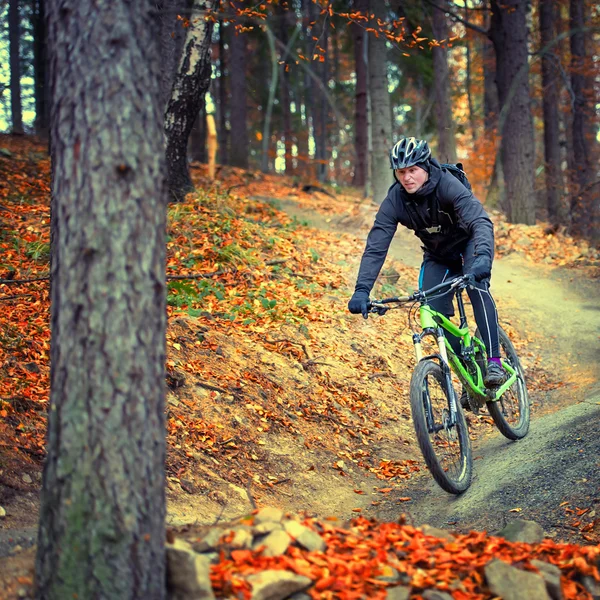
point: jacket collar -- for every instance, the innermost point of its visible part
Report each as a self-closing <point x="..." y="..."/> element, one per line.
<point x="435" y="173"/>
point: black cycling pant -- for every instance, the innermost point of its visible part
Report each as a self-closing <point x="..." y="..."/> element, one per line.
<point x="484" y="308"/>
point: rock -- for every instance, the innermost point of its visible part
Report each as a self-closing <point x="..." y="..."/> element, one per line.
<point x="2" y="512"/>
<point x="242" y="538"/>
<point x="26" y="477"/>
<point x="438" y="533"/>
<point x="306" y="537"/>
<point x="276" y="585"/>
<point x="265" y="528"/>
<point x="511" y="583"/>
<point x="389" y="574"/>
<point x="520" y="530"/>
<point x="187" y="573"/>
<point x="276" y="543"/>
<point x="436" y="595"/>
<point x="592" y="586"/>
<point x="300" y="596"/>
<point x="398" y="593"/>
<point x="551" y="575"/>
<point x="210" y="541"/>
<point x="268" y="514"/>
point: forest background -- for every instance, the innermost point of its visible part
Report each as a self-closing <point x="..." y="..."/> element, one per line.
<point x="486" y="84"/>
<point x="343" y="84"/>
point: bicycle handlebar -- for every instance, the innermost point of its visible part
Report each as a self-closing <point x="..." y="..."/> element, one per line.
<point x="376" y="306"/>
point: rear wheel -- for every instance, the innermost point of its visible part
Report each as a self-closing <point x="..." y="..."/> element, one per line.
<point x="446" y="446"/>
<point x="511" y="412"/>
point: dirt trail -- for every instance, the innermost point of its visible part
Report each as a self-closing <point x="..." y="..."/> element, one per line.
<point x="559" y="460"/>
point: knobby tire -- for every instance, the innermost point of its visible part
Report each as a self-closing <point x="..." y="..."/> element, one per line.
<point x="515" y="395"/>
<point x="430" y="371"/>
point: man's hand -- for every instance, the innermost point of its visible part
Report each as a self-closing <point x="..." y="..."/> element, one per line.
<point x="481" y="268"/>
<point x="359" y="304"/>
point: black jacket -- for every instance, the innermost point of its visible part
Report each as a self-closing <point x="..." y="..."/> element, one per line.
<point x="444" y="215"/>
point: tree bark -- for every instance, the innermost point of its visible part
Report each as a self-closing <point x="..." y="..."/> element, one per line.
<point x="42" y="116"/>
<point x="360" y="106"/>
<point x="554" y="185"/>
<point x="189" y="87"/>
<point x="14" y="37"/>
<point x="468" y="81"/>
<point x="284" y="87"/>
<point x="308" y="17"/>
<point x="223" y="107"/>
<point x="584" y="203"/>
<point x="380" y="108"/>
<point x="101" y="530"/>
<point x="238" y="153"/>
<point x="446" y="147"/>
<point x="197" y="144"/>
<point x="172" y="34"/>
<point x="509" y="34"/>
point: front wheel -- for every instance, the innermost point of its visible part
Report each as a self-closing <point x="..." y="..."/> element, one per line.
<point x="511" y="411"/>
<point x="446" y="446"/>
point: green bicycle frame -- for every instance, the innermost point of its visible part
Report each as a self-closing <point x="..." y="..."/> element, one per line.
<point x="434" y="323"/>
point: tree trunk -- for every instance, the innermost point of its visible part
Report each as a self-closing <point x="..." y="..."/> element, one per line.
<point x="42" y="117"/>
<point x="101" y="531"/>
<point x="360" y="105"/>
<point x="309" y="17"/>
<point x="189" y="86"/>
<point x="172" y="35"/>
<point x="491" y="110"/>
<point x="238" y="153"/>
<point x="446" y="147"/>
<point x="197" y="145"/>
<point x="223" y="101"/>
<point x="584" y="203"/>
<point x="14" y="36"/>
<point x="284" y="87"/>
<point x="468" y="82"/>
<point x="550" y="81"/>
<point x="380" y="108"/>
<point x="509" y="34"/>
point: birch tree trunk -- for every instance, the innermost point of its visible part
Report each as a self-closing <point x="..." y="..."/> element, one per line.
<point x="446" y="147"/>
<point x="14" y="37"/>
<point x="509" y="34"/>
<point x="189" y="86"/>
<point x="382" y="176"/>
<point x="101" y="529"/>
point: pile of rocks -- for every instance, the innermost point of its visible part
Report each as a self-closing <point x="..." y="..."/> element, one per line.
<point x="272" y="533"/>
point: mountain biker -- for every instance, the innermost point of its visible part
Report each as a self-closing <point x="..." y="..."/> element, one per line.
<point x="457" y="237"/>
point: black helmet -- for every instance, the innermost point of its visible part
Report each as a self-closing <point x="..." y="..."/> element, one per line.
<point x="409" y="152"/>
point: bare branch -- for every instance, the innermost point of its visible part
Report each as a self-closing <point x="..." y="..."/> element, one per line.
<point x="458" y="18"/>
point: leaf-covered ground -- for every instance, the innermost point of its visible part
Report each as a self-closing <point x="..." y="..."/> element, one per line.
<point x="275" y="394"/>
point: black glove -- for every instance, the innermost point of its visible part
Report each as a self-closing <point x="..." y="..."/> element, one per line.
<point x="481" y="268"/>
<point x="359" y="304"/>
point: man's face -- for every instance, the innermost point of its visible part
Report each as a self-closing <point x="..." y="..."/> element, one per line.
<point x="412" y="178"/>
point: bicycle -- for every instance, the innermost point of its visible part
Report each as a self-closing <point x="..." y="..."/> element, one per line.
<point x="438" y="418"/>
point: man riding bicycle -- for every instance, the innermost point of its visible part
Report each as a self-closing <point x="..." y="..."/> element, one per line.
<point x="457" y="237"/>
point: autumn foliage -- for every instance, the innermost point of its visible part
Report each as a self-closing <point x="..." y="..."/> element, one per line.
<point x="260" y="344"/>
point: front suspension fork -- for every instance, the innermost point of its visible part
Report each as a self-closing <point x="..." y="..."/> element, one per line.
<point x="442" y="357"/>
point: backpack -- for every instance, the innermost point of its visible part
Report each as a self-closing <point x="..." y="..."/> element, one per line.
<point x="457" y="171"/>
